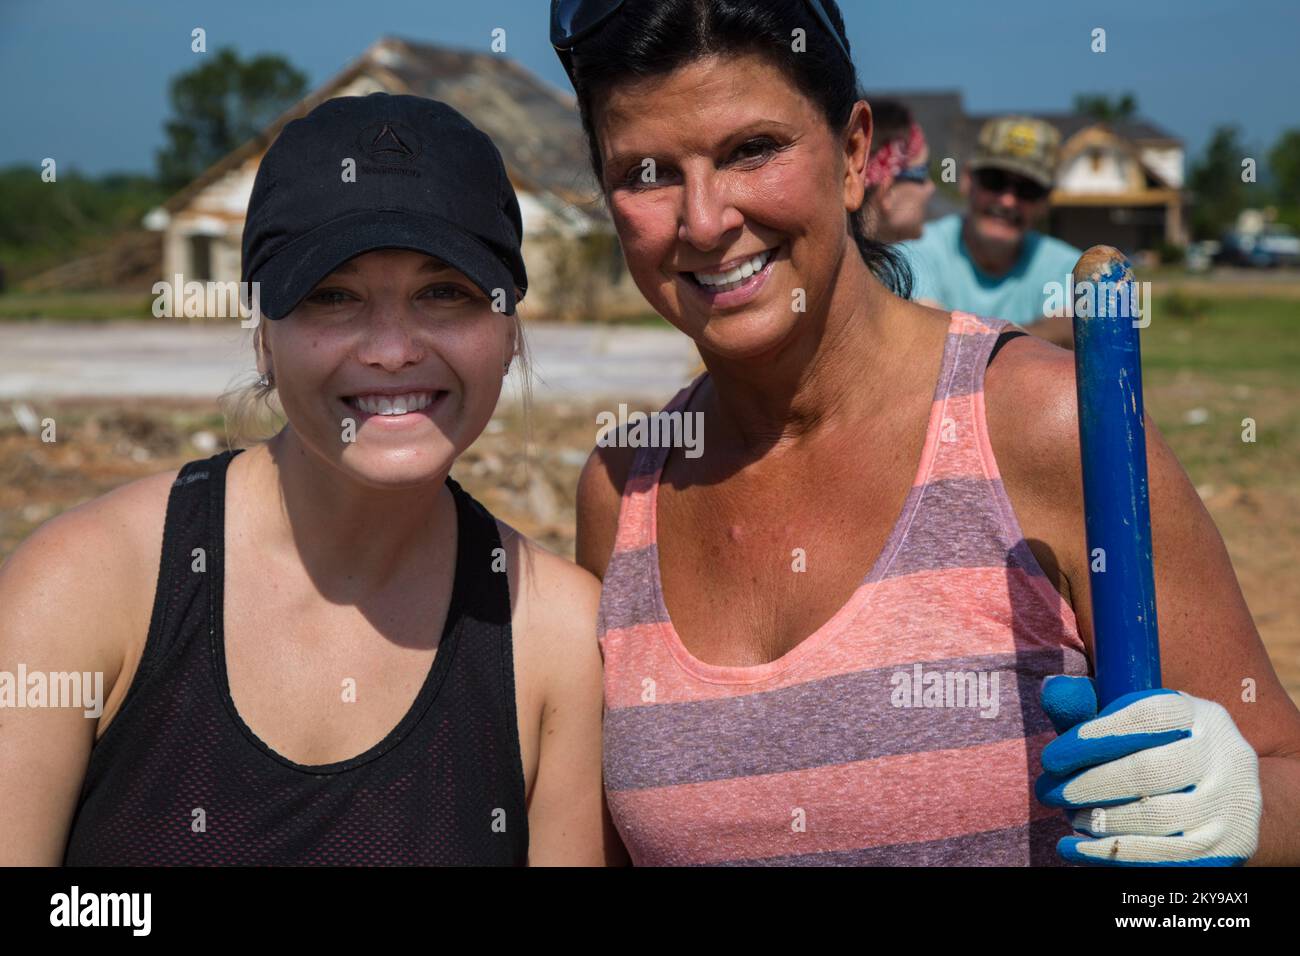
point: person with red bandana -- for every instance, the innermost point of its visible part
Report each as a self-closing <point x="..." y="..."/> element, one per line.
<point x="898" y="176"/>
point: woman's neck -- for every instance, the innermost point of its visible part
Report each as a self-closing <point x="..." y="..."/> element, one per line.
<point x="351" y="538"/>
<point x="829" y="371"/>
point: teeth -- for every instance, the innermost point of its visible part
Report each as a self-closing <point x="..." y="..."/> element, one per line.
<point x="392" y="404"/>
<point x="723" y="281"/>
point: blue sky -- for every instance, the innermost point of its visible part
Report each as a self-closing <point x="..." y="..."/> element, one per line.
<point x="85" y="81"/>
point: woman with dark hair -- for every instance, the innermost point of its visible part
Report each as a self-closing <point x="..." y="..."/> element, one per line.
<point x="824" y="638"/>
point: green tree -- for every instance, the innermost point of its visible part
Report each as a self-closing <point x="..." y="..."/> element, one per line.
<point x="1101" y="107"/>
<point x="219" y="106"/>
<point x="1218" y="193"/>
<point x="43" y="224"/>
<point x="1284" y="165"/>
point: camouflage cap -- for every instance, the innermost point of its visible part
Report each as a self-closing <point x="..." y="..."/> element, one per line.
<point x="1018" y="144"/>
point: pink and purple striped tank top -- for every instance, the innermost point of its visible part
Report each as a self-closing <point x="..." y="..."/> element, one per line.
<point x="904" y="731"/>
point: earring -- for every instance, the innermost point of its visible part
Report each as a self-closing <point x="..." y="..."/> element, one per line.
<point x="264" y="381"/>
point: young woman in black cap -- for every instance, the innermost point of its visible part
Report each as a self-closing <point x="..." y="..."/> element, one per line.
<point x="340" y="657"/>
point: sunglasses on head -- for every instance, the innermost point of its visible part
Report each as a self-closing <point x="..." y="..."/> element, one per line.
<point x="573" y="20"/>
<point x="999" y="181"/>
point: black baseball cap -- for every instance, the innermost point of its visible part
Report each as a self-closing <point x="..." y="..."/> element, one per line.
<point x="426" y="179"/>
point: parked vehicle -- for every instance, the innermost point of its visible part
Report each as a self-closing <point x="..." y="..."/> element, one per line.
<point x="1282" y="244"/>
<point x="1276" y="245"/>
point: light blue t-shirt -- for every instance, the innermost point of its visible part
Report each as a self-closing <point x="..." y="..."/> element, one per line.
<point x="943" y="271"/>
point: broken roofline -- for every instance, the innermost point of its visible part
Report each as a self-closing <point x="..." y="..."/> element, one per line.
<point x="366" y="63"/>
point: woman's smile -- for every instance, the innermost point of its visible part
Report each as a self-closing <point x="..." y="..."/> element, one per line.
<point x="735" y="282"/>
<point x="396" y="408"/>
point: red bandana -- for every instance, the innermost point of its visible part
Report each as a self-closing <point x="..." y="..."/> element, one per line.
<point x="895" y="156"/>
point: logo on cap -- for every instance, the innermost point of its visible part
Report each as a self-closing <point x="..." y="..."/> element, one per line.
<point x="1022" y="140"/>
<point x="389" y="142"/>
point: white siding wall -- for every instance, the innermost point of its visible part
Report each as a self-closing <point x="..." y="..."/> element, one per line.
<point x="218" y="212"/>
<point x="1167" y="161"/>
<point x="1097" y="170"/>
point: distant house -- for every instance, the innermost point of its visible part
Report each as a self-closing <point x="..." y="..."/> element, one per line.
<point x="575" y="266"/>
<point x="1121" y="184"/>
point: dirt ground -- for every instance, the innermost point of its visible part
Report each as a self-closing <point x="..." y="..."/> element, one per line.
<point x="105" y="444"/>
<point x="102" y="445"/>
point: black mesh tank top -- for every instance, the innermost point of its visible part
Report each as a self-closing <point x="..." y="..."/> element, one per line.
<point x="179" y="779"/>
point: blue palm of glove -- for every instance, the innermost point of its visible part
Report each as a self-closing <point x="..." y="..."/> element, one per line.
<point x="1134" y="786"/>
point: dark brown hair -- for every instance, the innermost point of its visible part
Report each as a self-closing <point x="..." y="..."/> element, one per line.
<point x="653" y="37"/>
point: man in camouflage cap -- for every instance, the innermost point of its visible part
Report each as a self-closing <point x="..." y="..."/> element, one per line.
<point x="991" y="261"/>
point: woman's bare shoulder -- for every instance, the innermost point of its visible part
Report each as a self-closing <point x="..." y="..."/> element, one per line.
<point x="1032" y="410"/>
<point x="553" y="608"/>
<point x="599" y="499"/>
<point x="89" y="573"/>
<point x="127" y="516"/>
<point x="554" y="595"/>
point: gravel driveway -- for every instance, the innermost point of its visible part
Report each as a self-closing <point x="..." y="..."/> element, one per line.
<point x="67" y="359"/>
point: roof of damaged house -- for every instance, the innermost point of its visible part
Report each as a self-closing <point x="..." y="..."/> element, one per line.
<point x="534" y="125"/>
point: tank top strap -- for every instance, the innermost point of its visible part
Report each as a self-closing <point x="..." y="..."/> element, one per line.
<point x="636" y="521"/>
<point x="485" y="596"/>
<point x="974" y="337"/>
<point x="959" y="466"/>
<point x="626" y="597"/>
<point x="193" y="541"/>
<point x="956" y="446"/>
<point x="480" y="674"/>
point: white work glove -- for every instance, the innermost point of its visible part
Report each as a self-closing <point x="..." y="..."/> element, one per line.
<point x="1158" y="778"/>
